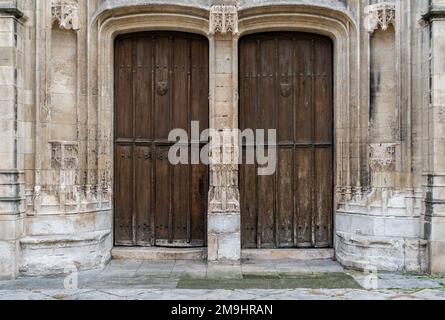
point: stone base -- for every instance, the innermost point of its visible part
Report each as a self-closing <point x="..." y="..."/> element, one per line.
<point x="156" y="253"/>
<point x="381" y="253"/>
<point x="437" y="257"/>
<point x="8" y="263"/>
<point x="287" y="254"/>
<point x="224" y="271"/>
<point x="56" y="254"/>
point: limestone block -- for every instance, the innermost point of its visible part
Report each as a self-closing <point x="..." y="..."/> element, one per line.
<point x="437" y="257"/>
<point x="104" y="220"/>
<point x="224" y="223"/>
<point x="212" y="247"/>
<point x="11" y="227"/>
<point x="229" y="246"/>
<point x="398" y="227"/>
<point x="416" y="256"/>
<point x="8" y="263"/>
<point x="343" y="222"/>
<point x="7" y="93"/>
<point x="7" y="75"/>
<point x="223" y="66"/>
<point x="6" y="25"/>
<point x="6" y="38"/>
<point x="7" y="56"/>
<point x="437" y="228"/>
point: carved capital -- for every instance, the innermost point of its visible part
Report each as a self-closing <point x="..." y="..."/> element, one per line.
<point x="223" y="19"/>
<point x="382" y="156"/>
<point x="380" y="15"/>
<point x="66" y="13"/>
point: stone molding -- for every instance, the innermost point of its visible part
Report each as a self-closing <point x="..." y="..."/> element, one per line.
<point x="380" y="15"/>
<point x="382" y="156"/>
<point x="434" y="12"/>
<point x="66" y="13"/>
<point x="10" y="9"/>
<point x="223" y="19"/>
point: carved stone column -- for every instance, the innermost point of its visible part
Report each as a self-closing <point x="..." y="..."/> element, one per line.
<point x="224" y="239"/>
<point x="435" y="178"/>
<point x="11" y="164"/>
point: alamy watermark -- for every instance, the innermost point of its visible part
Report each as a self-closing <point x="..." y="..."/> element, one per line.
<point x="225" y="146"/>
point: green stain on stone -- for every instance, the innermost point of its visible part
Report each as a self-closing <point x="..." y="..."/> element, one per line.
<point x="274" y="281"/>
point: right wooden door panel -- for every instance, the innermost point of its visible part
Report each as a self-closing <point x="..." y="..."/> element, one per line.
<point x="286" y="84"/>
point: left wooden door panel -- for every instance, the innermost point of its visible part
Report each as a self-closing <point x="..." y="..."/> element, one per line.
<point x="161" y="83"/>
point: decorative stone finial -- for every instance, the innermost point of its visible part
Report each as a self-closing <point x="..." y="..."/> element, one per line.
<point x="66" y="13"/>
<point x="380" y="15"/>
<point x="223" y="19"/>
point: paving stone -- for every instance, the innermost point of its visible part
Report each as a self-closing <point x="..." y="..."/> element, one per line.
<point x="324" y="266"/>
<point x="190" y="269"/>
<point x="22" y="295"/>
<point x="157" y="268"/>
<point x="302" y="280"/>
<point x="217" y="271"/>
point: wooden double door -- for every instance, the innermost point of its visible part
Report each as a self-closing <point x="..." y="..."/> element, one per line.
<point x="286" y="83"/>
<point x="161" y="83"/>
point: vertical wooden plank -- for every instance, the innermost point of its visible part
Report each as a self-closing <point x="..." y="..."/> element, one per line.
<point x="266" y="184"/>
<point x="323" y="92"/>
<point x="285" y="205"/>
<point x="324" y="197"/>
<point x="162" y="116"/>
<point x="143" y="87"/>
<point x="143" y="186"/>
<point x="162" y="195"/>
<point x="124" y="88"/>
<point x="163" y="87"/>
<point x="248" y="119"/>
<point x="199" y="111"/>
<point x="151" y="37"/>
<point x="303" y="184"/>
<point x="323" y="137"/>
<point x="303" y="139"/>
<point x="180" y="116"/>
<point x="285" y="129"/>
<point x="123" y="210"/>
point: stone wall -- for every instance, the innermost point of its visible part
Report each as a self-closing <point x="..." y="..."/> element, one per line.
<point x="56" y="127"/>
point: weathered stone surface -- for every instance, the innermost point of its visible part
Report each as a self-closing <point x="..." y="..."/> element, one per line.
<point x="56" y="125"/>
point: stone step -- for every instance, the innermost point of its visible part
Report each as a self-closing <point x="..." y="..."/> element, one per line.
<point x="287" y="254"/>
<point x="157" y="253"/>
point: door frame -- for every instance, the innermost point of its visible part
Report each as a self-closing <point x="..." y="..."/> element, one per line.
<point x="335" y="23"/>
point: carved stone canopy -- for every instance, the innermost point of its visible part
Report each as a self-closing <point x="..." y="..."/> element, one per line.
<point x="64" y="155"/>
<point x="382" y="157"/>
<point x="66" y="14"/>
<point x="223" y="19"/>
<point x="380" y="15"/>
